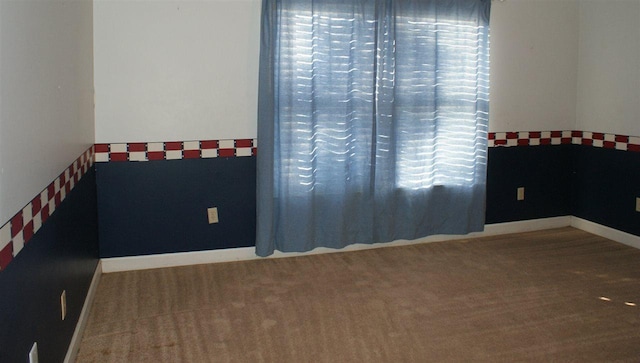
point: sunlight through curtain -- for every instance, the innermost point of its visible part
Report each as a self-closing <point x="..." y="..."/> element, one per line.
<point x="372" y="121"/>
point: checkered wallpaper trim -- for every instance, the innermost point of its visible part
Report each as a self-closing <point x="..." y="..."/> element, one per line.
<point x="175" y="150"/>
<point x="21" y="227"/>
<point x="534" y="138"/>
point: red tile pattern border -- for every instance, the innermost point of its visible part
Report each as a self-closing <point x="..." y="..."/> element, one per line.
<point x="535" y="138"/>
<point x="175" y="150"/>
<point x="18" y="231"/>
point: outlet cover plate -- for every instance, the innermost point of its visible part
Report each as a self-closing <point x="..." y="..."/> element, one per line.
<point x="521" y="193"/>
<point x="33" y="353"/>
<point x="63" y="304"/>
<point x="212" y="214"/>
<point x="638" y="204"/>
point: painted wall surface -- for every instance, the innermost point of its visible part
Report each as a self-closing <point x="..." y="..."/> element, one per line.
<point x="609" y="67"/>
<point x="534" y="53"/>
<point x="158" y="206"/>
<point x="46" y="123"/>
<point x="160" y="74"/>
<point x="545" y="173"/>
<point x="62" y="255"/>
<point x="605" y="185"/>
<point x="46" y="94"/>
<point x="161" y="206"/>
<point x="176" y="70"/>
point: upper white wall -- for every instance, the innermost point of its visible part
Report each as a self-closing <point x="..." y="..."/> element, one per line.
<point x="176" y="70"/>
<point x="188" y="70"/>
<point x="46" y="94"/>
<point x="609" y="67"/>
<point x="534" y="53"/>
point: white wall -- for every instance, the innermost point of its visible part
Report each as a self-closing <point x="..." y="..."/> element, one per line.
<point x="176" y="70"/>
<point x="534" y="54"/>
<point x="609" y="67"/>
<point x="188" y="70"/>
<point x="46" y="94"/>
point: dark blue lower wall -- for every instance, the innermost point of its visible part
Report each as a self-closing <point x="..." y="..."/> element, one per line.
<point x="62" y="255"/>
<point x="161" y="206"/>
<point x="544" y="171"/>
<point x="594" y="183"/>
<point x="605" y="184"/>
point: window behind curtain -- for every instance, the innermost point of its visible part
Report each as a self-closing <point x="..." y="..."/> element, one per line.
<point x="326" y="73"/>
<point x="365" y="107"/>
<point x="441" y="90"/>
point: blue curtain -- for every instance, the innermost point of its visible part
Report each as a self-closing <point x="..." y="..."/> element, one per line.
<point x="372" y="121"/>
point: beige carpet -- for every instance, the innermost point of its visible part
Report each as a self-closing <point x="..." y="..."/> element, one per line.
<point x="560" y="295"/>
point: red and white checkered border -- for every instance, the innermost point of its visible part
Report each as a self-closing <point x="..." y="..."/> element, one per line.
<point x="175" y="150"/>
<point x="21" y="227"/>
<point x="535" y="138"/>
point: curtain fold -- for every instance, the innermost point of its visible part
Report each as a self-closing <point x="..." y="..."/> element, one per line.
<point x="372" y="121"/>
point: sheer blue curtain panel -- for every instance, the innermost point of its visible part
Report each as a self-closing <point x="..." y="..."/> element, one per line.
<point x="372" y="121"/>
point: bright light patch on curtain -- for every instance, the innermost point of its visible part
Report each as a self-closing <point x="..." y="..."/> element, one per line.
<point x="332" y="104"/>
<point x="438" y="103"/>
<point x="328" y="118"/>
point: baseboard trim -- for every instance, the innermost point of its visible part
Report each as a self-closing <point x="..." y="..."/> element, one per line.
<point x="131" y="263"/>
<point x="606" y="232"/>
<point x="117" y="264"/>
<point x="72" y="352"/>
<point x="525" y="226"/>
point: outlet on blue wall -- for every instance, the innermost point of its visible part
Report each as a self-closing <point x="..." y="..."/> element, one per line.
<point x="544" y="171"/>
<point x="63" y="255"/>
<point x="161" y="206"/>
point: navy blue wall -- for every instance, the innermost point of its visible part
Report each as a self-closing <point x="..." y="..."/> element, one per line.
<point x="62" y="255"/>
<point x="161" y="206"/>
<point x="544" y="171"/>
<point x="605" y="185"/>
<point x="593" y="183"/>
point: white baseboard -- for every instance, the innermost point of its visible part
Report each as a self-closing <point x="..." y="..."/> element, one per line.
<point x="526" y="226"/>
<point x="117" y="264"/>
<point x="606" y="232"/>
<point x="72" y="352"/>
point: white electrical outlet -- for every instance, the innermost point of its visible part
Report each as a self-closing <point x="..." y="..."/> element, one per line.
<point x="63" y="304"/>
<point x="521" y="193"/>
<point x="637" y="204"/>
<point x="212" y="213"/>
<point x="33" y="353"/>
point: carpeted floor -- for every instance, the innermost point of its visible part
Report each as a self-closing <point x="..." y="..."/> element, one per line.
<point x="560" y="295"/>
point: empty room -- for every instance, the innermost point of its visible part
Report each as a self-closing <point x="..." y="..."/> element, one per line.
<point x="319" y="180"/>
